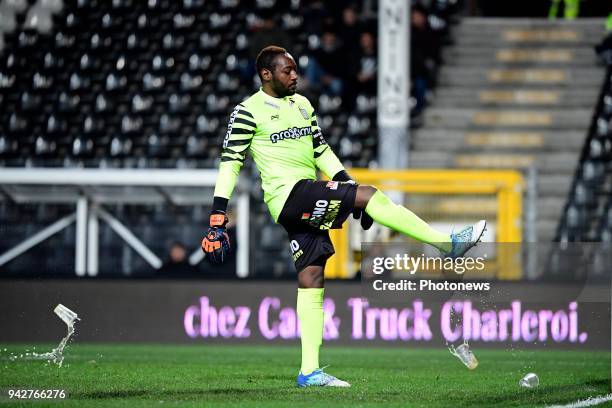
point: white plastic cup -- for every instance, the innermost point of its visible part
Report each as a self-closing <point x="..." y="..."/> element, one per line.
<point x="67" y="315"/>
<point x="530" y="380"/>
<point x="466" y="356"/>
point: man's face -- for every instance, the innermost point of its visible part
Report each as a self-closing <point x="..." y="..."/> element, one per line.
<point x="284" y="76"/>
<point x="178" y="253"/>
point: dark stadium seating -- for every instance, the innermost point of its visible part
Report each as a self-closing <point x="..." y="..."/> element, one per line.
<point x="138" y="84"/>
<point x="588" y="211"/>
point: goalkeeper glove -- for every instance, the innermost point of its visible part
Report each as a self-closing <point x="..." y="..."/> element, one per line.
<point x="216" y="243"/>
<point x="366" y="221"/>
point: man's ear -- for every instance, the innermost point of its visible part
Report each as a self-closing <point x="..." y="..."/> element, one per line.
<point x="266" y="74"/>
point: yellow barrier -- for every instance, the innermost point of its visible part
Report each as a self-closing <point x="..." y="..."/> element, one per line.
<point x="506" y="185"/>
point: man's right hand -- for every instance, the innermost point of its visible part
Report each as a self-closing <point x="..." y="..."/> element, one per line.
<point x="216" y="243"/>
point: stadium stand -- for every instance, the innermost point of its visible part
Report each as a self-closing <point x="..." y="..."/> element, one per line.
<point x="515" y="94"/>
<point x="587" y="216"/>
<point x="150" y="84"/>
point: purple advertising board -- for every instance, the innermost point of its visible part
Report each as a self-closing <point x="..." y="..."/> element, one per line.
<point x="264" y="311"/>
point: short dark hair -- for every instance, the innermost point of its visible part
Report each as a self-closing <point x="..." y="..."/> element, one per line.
<point x="265" y="58"/>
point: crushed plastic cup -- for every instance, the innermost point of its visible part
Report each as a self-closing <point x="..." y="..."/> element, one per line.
<point x="67" y="315"/>
<point x="464" y="354"/>
<point x="530" y="380"/>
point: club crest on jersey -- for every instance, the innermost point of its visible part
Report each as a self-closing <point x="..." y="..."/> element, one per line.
<point x="332" y="185"/>
<point x="304" y="113"/>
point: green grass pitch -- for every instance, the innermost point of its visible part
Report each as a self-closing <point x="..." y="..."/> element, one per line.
<point x="262" y="376"/>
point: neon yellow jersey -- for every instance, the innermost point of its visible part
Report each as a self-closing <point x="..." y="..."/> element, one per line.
<point x="284" y="138"/>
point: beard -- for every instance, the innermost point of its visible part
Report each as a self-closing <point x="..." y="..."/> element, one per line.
<point x="283" y="91"/>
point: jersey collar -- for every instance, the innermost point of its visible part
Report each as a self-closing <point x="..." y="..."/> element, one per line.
<point x="274" y="100"/>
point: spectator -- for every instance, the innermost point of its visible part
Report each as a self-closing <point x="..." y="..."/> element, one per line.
<point x="326" y="69"/>
<point x="178" y="265"/>
<point x="425" y="55"/>
<point x="366" y="76"/>
<point x="362" y="66"/>
<point x="316" y="16"/>
<point x="350" y="30"/>
<point x="264" y="34"/>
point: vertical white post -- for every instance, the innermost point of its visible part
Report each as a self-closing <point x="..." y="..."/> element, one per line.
<point x="242" y="234"/>
<point x="393" y="83"/>
<point x="92" y="242"/>
<point x="81" y="236"/>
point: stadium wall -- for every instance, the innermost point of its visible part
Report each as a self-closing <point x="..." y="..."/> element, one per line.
<point x="519" y="315"/>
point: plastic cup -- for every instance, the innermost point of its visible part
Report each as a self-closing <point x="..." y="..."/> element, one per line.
<point x="466" y="355"/>
<point x="67" y="315"/>
<point x="530" y="380"/>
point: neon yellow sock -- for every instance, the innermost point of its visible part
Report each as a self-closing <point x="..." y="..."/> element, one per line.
<point x="400" y="219"/>
<point x="310" y="313"/>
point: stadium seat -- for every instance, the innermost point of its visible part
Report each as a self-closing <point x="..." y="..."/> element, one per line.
<point x="116" y="82"/>
<point x="52" y="64"/>
<point x="131" y="125"/>
<point x="179" y="103"/>
<point x="39" y="19"/>
<point x="82" y="147"/>
<point x="152" y="82"/>
<point x="8" y="20"/>
<point x="66" y="40"/>
<point x="8" y="147"/>
<point x="30" y="102"/>
<point x="53" y="6"/>
<point x="56" y="127"/>
<point x="79" y="82"/>
<point x="44" y="146"/>
<point x="102" y="104"/>
<point x="136" y="42"/>
<point x="16" y="6"/>
<point x="18" y="125"/>
<point x="141" y="103"/>
<point x="120" y="147"/>
<point x="199" y="63"/>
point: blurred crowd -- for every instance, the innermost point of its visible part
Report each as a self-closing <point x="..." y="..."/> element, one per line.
<point x="340" y="56"/>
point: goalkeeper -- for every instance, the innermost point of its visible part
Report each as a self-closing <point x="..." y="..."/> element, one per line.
<point x="279" y="128"/>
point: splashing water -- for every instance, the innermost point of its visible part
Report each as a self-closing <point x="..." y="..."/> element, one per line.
<point x="55" y="356"/>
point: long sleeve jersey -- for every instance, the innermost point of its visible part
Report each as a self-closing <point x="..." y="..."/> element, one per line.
<point x="284" y="138"/>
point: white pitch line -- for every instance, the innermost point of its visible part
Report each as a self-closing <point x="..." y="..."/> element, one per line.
<point x="589" y="402"/>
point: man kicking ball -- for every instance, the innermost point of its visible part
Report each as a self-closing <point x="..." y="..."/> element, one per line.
<point x="279" y="128"/>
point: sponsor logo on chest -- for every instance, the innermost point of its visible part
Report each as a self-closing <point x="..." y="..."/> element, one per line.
<point x="291" y="133"/>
